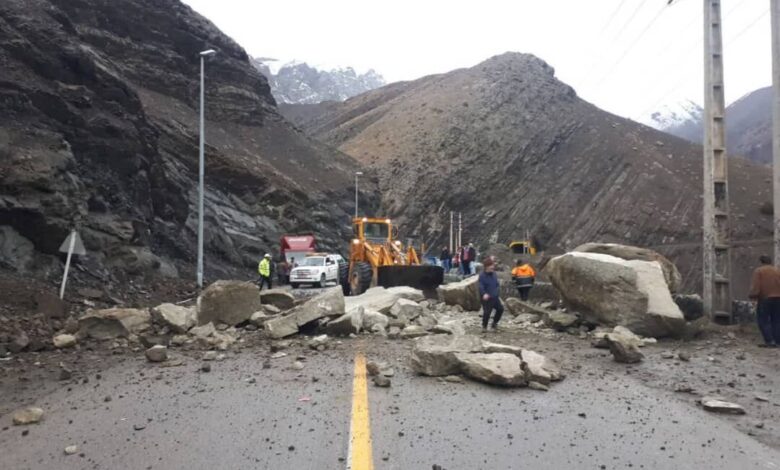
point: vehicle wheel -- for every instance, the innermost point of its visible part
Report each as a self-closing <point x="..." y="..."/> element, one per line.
<point x="323" y="280"/>
<point x="294" y="285"/>
<point x="360" y="278"/>
<point x="343" y="279"/>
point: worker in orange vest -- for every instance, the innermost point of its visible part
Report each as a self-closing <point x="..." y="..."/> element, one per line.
<point x="523" y="275"/>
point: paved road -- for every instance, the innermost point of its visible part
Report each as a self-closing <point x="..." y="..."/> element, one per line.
<point x="243" y="416"/>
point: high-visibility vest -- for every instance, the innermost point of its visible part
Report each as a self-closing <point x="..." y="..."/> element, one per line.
<point x="264" y="268"/>
<point x="524" y="271"/>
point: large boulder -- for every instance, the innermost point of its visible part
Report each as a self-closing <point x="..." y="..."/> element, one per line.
<point x="407" y="309"/>
<point x="114" y="322"/>
<point x="437" y="355"/>
<point x="493" y="368"/>
<point x="228" y="302"/>
<point x="629" y="253"/>
<point x="539" y="368"/>
<point x="464" y="293"/>
<point x="279" y="298"/>
<point x="179" y="319"/>
<point x="611" y="291"/>
<point x="623" y="349"/>
<point x="347" y="324"/>
<point x="328" y="304"/>
<point x="382" y="300"/>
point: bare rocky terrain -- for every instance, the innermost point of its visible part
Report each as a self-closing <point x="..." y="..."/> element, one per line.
<point x="99" y="106"/>
<point x="517" y="150"/>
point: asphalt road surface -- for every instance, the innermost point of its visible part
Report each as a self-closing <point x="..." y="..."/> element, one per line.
<point x="254" y="412"/>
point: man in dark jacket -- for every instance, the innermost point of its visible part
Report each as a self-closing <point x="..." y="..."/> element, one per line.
<point x="765" y="290"/>
<point x="446" y="259"/>
<point x="488" y="292"/>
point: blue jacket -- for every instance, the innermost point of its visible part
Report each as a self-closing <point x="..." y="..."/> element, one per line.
<point x="488" y="284"/>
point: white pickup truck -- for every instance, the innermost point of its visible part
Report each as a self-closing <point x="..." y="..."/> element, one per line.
<point x="317" y="269"/>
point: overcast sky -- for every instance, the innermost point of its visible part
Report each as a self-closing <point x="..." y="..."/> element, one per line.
<point x="627" y="56"/>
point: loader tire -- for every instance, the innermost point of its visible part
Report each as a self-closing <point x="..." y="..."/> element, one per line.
<point x="360" y="278"/>
<point x="344" y="278"/>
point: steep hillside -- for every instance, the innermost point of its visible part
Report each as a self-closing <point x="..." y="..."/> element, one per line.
<point x="748" y="126"/>
<point x="516" y="150"/>
<point x="98" y="130"/>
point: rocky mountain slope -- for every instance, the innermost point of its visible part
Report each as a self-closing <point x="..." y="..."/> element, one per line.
<point x="98" y="130"/>
<point x="298" y="82"/>
<point x="748" y="126"/>
<point x="516" y="150"/>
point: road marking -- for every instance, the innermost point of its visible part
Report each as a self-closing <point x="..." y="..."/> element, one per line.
<point x="360" y="428"/>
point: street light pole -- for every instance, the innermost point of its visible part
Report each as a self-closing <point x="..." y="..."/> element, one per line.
<point x="201" y="165"/>
<point x="357" y="173"/>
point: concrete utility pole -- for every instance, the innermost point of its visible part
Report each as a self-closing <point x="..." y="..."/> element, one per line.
<point x="201" y="165"/>
<point x="716" y="244"/>
<point x="451" y="247"/>
<point x="460" y="229"/>
<point x="775" y="25"/>
<point x="357" y="173"/>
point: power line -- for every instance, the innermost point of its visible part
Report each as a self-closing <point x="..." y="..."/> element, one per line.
<point x="628" y="22"/>
<point x="612" y="16"/>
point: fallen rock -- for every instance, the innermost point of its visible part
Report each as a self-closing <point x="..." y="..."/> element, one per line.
<point x="229" y="302"/>
<point x="464" y="293"/>
<point x="19" y="342"/>
<point x="413" y="331"/>
<point x="372" y="368"/>
<point x="450" y="327"/>
<point x="347" y="324"/>
<point x="65" y="373"/>
<point x="671" y="274"/>
<point x="297" y="365"/>
<point x="611" y="291"/>
<point x="210" y="356"/>
<point x="493" y="368"/>
<point x="437" y="355"/>
<point x="407" y="309"/>
<point x="561" y="321"/>
<point x="179" y="319"/>
<point x="29" y="415"/>
<point x="381" y="381"/>
<point x="528" y="318"/>
<point x="64" y="341"/>
<point x="157" y="353"/>
<point x="514" y="306"/>
<point x="538" y="386"/>
<point x="623" y="350"/>
<point x="259" y="318"/>
<point x="114" y="322"/>
<point x="328" y="304"/>
<point x="539" y="368"/>
<point x="691" y="305"/>
<point x="381" y="300"/>
<point x="203" y="331"/>
<point x="70" y="450"/>
<point x="372" y="319"/>
<point x="426" y="321"/>
<point x="720" y="406"/>
<point x="278" y="298"/>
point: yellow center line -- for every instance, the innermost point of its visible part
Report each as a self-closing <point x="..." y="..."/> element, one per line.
<point x="360" y="457"/>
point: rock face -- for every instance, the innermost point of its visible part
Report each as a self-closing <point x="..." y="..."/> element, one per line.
<point x="611" y="291"/>
<point x="494" y="368"/>
<point x="671" y="273"/>
<point x="114" y="322"/>
<point x="179" y="319"/>
<point x="464" y="293"/>
<point x="604" y="177"/>
<point x="229" y="302"/>
<point x="101" y="127"/>
<point x="328" y="304"/>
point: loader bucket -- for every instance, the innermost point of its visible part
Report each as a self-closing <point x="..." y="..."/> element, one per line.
<point x="423" y="277"/>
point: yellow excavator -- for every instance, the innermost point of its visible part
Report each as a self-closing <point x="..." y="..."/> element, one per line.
<point x="376" y="258"/>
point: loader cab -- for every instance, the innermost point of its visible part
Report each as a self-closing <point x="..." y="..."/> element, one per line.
<point x="372" y="230"/>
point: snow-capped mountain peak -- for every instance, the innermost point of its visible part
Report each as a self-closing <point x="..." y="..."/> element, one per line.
<point x="675" y="115"/>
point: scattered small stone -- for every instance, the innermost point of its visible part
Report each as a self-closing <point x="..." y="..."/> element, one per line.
<point x="761" y="398"/>
<point x="759" y="425"/>
<point x="684" y="356"/>
<point x="582" y="415"/>
<point x="70" y="450"/>
<point x="721" y="406"/>
<point x="372" y="368"/>
<point x="205" y="367"/>
<point x="107" y="398"/>
<point x="64" y="341"/>
<point x="278" y="355"/>
<point x="381" y="381"/>
<point x="538" y="386"/>
<point x="291" y="448"/>
<point x="297" y="365"/>
<point x="29" y="415"/>
<point x="157" y="353"/>
<point x="210" y="356"/>
<point x="65" y="373"/>
<point x="667" y="355"/>
<point x="456" y="379"/>
<point x="139" y="427"/>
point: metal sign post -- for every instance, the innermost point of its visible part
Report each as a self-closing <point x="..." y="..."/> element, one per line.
<point x="71" y="245"/>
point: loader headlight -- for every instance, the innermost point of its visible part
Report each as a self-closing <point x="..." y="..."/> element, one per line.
<point x="355" y="241"/>
<point x="387" y="221"/>
<point x="398" y="242"/>
<point x="365" y="219"/>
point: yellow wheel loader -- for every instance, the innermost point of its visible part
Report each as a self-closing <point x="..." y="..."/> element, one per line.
<point x="376" y="258"/>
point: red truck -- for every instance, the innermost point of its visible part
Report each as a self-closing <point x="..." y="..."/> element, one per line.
<point x="296" y="247"/>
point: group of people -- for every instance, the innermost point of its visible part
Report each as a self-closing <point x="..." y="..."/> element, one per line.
<point x="463" y="260"/>
<point x="266" y="269"/>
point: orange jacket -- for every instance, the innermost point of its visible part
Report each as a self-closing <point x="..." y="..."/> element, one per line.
<point x="523" y="271"/>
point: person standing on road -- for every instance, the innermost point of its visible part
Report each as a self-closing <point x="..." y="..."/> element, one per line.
<point x="283" y="272"/>
<point x="465" y="260"/>
<point x="765" y="291"/>
<point x="264" y="269"/>
<point x="488" y="292"/>
<point x="446" y="259"/>
<point x="524" y="276"/>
